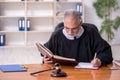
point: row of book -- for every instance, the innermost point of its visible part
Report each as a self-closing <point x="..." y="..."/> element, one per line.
<point x="21" y="24"/>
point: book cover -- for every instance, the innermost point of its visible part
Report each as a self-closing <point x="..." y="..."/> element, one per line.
<point x="12" y="68"/>
<point x="117" y="62"/>
<point x="45" y="51"/>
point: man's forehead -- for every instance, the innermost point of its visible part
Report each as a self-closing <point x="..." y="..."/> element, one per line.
<point x="70" y="22"/>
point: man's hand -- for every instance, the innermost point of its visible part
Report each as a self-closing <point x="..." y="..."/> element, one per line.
<point x="96" y="62"/>
<point x="47" y="60"/>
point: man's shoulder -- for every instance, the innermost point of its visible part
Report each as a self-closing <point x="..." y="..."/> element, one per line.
<point x="89" y="27"/>
<point x="57" y="33"/>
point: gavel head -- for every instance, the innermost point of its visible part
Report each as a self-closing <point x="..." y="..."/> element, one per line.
<point x="58" y="72"/>
<point x="57" y="67"/>
<point x="57" y="64"/>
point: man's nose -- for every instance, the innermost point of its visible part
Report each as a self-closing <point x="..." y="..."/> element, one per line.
<point x="70" y="32"/>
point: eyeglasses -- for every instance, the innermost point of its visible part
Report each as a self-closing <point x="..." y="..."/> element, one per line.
<point x="75" y="29"/>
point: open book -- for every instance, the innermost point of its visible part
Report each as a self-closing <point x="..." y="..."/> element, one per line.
<point x="45" y="51"/>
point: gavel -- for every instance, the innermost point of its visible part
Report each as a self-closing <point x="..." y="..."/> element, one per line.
<point x="56" y="73"/>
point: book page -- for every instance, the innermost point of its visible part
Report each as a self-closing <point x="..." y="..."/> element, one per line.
<point x="43" y="50"/>
<point x="65" y="60"/>
<point x="85" y="65"/>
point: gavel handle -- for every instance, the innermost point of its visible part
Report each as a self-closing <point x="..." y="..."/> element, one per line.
<point x="42" y="71"/>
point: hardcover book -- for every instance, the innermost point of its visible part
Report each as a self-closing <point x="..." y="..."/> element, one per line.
<point x="45" y="51"/>
<point x="12" y="68"/>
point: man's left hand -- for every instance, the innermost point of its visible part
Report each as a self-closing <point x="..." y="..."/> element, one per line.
<point x="96" y="62"/>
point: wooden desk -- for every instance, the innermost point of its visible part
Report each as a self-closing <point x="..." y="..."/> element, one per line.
<point x="73" y="74"/>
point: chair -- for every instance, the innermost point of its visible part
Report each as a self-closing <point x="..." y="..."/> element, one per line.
<point x="61" y="26"/>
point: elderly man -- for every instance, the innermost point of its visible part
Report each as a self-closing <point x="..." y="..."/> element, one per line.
<point x="78" y="41"/>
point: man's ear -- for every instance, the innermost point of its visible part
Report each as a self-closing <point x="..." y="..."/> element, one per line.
<point x="81" y="22"/>
<point x="64" y="24"/>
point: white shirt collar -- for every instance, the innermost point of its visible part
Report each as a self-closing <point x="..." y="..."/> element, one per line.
<point x="78" y="35"/>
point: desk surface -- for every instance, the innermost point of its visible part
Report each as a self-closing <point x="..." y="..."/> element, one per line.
<point x="73" y="74"/>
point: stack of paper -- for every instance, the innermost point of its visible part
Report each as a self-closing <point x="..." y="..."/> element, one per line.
<point x="86" y="65"/>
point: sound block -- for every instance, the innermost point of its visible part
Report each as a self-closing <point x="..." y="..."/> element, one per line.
<point x="60" y="74"/>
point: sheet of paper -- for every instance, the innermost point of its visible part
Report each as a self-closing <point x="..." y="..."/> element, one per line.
<point x="85" y="65"/>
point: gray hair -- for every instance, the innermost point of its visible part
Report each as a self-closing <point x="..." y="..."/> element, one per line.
<point x="73" y="14"/>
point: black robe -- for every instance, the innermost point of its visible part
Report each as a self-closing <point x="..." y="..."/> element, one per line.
<point x="82" y="49"/>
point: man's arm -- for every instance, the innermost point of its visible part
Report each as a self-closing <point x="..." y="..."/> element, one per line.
<point x="102" y="48"/>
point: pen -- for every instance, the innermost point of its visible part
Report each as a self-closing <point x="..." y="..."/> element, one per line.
<point x="95" y="56"/>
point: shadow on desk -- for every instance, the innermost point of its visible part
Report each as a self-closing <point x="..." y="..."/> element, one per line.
<point x="104" y="74"/>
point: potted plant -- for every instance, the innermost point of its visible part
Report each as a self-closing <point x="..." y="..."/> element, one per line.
<point x="104" y="9"/>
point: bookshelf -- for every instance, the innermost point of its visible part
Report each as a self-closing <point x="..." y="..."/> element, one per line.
<point x="43" y="15"/>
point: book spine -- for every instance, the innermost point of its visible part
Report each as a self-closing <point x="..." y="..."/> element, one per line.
<point x="21" y="24"/>
<point x="2" y="39"/>
<point x="79" y="8"/>
<point x="28" y="25"/>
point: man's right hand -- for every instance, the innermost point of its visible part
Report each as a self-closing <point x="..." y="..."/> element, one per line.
<point x="47" y="60"/>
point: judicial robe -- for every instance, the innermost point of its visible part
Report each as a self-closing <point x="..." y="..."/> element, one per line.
<point x="82" y="49"/>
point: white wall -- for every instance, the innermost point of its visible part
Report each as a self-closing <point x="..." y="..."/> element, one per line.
<point x="20" y="55"/>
